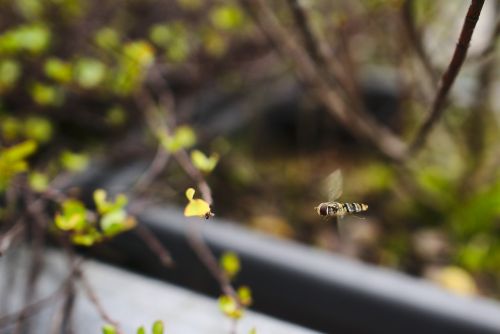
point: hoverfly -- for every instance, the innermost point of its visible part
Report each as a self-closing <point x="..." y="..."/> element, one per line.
<point x="332" y="208"/>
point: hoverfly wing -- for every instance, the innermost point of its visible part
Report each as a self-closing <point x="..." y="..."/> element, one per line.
<point x="340" y="227"/>
<point x="333" y="185"/>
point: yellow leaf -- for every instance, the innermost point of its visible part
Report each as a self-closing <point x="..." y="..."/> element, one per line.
<point x="204" y="163"/>
<point x="229" y="306"/>
<point x="190" y="193"/>
<point x="197" y="208"/>
<point x="230" y="263"/>
<point x="454" y="279"/>
<point x="245" y="295"/>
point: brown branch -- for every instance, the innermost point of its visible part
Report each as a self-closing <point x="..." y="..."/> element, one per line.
<point x="449" y="76"/>
<point x="155" y="168"/>
<point x="155" y="245"/>
<point x="209" y="260"/>
<point x="37" y="306"/>
<point x="94" y="299"/>
<point x="183" y="159"/>
<point x="10" y="236"/>
<point x="415" y="38"/>
<point x="35" y="211"/>
<point x="359" y="123"/>
<point x="302" y="21"/>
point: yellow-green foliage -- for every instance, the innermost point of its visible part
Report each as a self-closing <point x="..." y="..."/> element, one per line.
<point x="87" y="227"/>
<point x="13" y="161"/>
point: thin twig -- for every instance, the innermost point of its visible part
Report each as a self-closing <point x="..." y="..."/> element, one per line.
<point x="155" y="168"/>
<point x="310" y="41"/>
<point x="358" y="122"/>
<point x="37" y="258"/>
<point x="208" y="259"/>
<point x="321" y="53"/>
<point x="33" y="308"/>
<point x="183" y="159"/>
<point x="9" y="237"/>
<point x="449" y="76"/>
<point x="92" y="295"/>
<point x="155" y="245"/>
<point x="415" y="38"/>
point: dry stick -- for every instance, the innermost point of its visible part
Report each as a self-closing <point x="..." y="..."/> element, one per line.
<point x="37" y="260"/>
<point x="321" y="54"/>
<point x="183" y="159"/>
<point x="311" y="43"/>
<point x="37" y="306"/>
<point x="10" y="236"/>
<point x="415" y="37"/>
<point x="61" y="321"/>
<point x="358" y="123"/>
<point x="449" y="76"/>
<point x="158" y="164"/>
<point x="92" y="295"/>
<point x="209" y="260"/>
<point x="155" y="245"/>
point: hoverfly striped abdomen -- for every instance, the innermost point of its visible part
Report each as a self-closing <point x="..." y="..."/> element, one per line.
<point x="354" y="207"/>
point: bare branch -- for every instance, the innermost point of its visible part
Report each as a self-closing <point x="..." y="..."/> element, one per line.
<point x="359" y="123"/>
<point x="10" y="236"/>
<point x="416" y="41"/>
<point x="37" y="306"/>
<point x="310" y="41"/>
<point x="155" y="245"/>
<point x="92" y="295"/>
<point x="156" y="167"/>
<point x="450" y="75"/>
<point x="207" y="257"/>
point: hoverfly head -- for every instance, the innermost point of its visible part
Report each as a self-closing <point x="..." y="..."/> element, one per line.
<point x="322" y="209"/>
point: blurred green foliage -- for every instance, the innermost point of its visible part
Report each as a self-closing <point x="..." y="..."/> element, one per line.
<point x="87" y="227"/>
<point x="13" y="160"/>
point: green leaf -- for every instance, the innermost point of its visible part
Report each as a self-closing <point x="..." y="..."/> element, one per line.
<point x="38" y="181"/>
<point x="245" y="295"/>
<point x="113" y="222"/>
<point x="136" y="57"/>
<point x="46" y="95"/>
<point x="74" y="161"/>
<point x="227" y="17"/>
<point x="89" y="72"/>
<point x="31" y="38"/>
<point x="12" y="161"/>
<point x="158" y="327"/>
<point x="108" y="329"/>
<point x="100" y="200"/>
<point x="230" y="307"/>
<point x="183" y="137"/>
<point x="10" y="71"/>
<point x="38" y="129"/>
<point x="73" y="216"/>
<point x="11" y="127"/>
<point x="202" y="162"/>
<point x="107" y="38"/>
<point x="141" y="330"/>
<point x="86" y="239"/>
<point x="230" y="263"/>
<point x="18" y="152"/>
<point x="139" y="53"/>
<point x="58" y="70"/>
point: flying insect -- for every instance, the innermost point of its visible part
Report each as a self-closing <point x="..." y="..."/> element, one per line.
<point x="333" y="208"/>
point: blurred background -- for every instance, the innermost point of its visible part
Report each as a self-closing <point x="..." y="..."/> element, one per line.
<point x="254" y="104"/>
